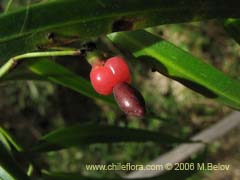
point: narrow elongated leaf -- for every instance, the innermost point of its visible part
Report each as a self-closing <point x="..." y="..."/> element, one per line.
<point x="180" y="65"/>
<point x="27" y="28"/>
<point x="7" y="163"/>
<point x="60" y="75"/>
<point x="22" y="75"/>
<point x="4" y="175"/>
<point x="4" y="141"/>
<point x="89" y="134"/>
<point x="45" y="16"/>
<point x="21" y="45"/>
<point x="9" y="166"/>
<point x="9" y="140"/>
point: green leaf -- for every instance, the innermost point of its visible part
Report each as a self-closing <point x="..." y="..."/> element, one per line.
<point x="90" y="133"/>
<point x="7" y="139"/>
<point x="4" y="141"/>
<point x="60" y="75"/>
<point x="9" y="145"/>
<point x="45" y="16"/>
<point x="180" y="65"/>
<point x="21" y="45"/>
<point x="4" y="175"/>
<point x="9" y="166"/>
<point x="26" y="29"/>
<point x="21" y="75"/>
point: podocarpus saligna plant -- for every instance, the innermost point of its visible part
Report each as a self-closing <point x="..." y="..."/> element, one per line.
<point x="38" y="32"/>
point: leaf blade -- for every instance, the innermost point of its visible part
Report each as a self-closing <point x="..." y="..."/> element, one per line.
<point x="90" y="133"/>
<point x="10" y="166"/>
<point x="62" y="76"/>
<point x="98" y="17"/>
<point x="180" y="65"/>
<point x="82" y="12"/>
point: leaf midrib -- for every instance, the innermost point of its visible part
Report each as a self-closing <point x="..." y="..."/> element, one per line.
<point x="182" y="71"/>
<point x="95" y="18"/>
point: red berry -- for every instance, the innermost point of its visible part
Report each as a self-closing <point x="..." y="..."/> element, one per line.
<point x="105" y="77"/>
<point x="102" y="79"/>
<point x="119" y="68"/>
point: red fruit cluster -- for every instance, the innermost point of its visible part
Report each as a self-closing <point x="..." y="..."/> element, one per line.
<point x="105" y="76"/>
<point x="114" y="76"/>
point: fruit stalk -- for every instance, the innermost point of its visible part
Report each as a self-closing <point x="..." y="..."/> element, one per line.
<point x="11" y="63"/>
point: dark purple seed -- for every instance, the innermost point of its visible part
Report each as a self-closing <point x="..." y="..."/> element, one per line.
<point x="129" y="99"/>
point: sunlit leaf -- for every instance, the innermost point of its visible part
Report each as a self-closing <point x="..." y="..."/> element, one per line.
<point x="180" y="65"/>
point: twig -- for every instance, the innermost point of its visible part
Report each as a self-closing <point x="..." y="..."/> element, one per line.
<point x="5" y="68"/>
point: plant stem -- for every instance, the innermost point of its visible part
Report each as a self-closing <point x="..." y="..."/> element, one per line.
<point x="5" y="68"/>
<point x="94" y="57"/>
